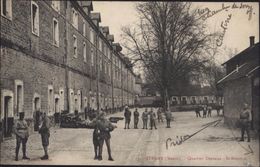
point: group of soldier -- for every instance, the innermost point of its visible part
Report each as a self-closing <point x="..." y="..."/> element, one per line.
<point x="147" y="116"/>
<point x="21" y="130"/>
<point x="206" y="110"/>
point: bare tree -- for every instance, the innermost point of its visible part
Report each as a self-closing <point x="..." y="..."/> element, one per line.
<point x="170" y="42"/>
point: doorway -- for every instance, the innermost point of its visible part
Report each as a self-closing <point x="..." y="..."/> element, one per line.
<point x="8" y="121"/>
<point x="36" y="109"/>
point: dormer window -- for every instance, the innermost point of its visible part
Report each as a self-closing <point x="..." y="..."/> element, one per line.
<point x="55" y="5"/>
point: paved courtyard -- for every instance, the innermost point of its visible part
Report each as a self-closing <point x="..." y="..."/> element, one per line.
<point x="215" y="145"/>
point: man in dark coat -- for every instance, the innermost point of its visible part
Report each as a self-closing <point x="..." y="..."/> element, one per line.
<point x="152" y="119"/>
<point x="22" y="134"/>
<point x="197" y="111"/>
<point x="104" y="127"/>
<point x="136" y="118"/>
<point x="168" y="116"/>
<point x="145" y="118"/>
<point x="245" y="120"/>
<point x="159" y="115"/>
<point x="127" y="115"/>
<point x="44" y="130"/>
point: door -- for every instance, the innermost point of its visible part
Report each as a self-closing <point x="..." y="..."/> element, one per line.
<point x="8" y="121"/>
<point x="37" y="113"/>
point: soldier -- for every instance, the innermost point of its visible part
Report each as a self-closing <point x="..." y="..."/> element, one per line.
<point x="96" y="136"/>
<point x="127" y="115"/>
<point x="204" y="111"/>
<point x="168" y="116"/>
<point x="22" y="133"/>
<point x="136" y="118"/>
<point x="245" y="120"/>
<point x="159" y="115"/>
<point x="197" y="111"/>
<point x="44" y="130"/>
<point x="152" y="119"/>
<point x="105" y="127"/>
<point x="209" y="110"/>
<point x="145" y="118"/>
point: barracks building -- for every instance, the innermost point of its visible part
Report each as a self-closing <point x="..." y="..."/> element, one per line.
<point x="56" y="57"/>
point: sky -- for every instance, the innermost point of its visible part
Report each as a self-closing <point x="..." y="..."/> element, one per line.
<point x="243" y="21"/>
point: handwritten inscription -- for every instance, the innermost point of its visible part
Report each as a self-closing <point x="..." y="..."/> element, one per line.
<point x="224" y="26"/>
<point x="179" y="140"/>
<point x="207" y="13"/>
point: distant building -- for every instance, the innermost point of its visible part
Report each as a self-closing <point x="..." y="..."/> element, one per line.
<point x="241" y="84"/>
<point x="194" y="94"/>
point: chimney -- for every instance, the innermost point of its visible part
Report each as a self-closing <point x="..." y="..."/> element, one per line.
<point x="252" y="40"/>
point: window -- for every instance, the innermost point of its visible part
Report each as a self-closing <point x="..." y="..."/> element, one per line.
<point x="84" y="52"/>
<point x="55" y="32"/>
<point x="92" y="57"/>
<point x="35" y="18"/>
<point x="100" y="62"/>
<point x="105" y="66"/>
<point x="100" y="44"/>
<point x="75" y="46"/>
<point x="50" y="100"/>
<point x="84" y="29"/>
<point x="92" y="36"/>
<point x="75" y="18"/>
<point x="19" y="92"/>
<point x="55" y="5"/>
<point x="6" y="8"/>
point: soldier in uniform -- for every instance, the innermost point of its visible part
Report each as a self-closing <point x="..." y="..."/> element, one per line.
<point x="145" y="118"/>
<point x="204" y="111"/>
<point x="127" y="115"/>
<point x="136" y="118"/>
<point x="197" y="111"/>
<point x="209" y="110"/>
<point x="159" y="115"/>
<point x="44" y="130"/>
<point x="245" y="120"/>
<point x="105" y="127"/>
<point x="22" y="133"/>
<point x="96" y="135"/>
<point x="168" y="116"/>
<point x="152" y="119"/>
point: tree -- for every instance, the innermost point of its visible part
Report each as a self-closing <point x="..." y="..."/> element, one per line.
<point x="170" y="42"/>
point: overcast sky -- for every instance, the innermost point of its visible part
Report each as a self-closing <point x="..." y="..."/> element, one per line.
<point x="117" y="14"/>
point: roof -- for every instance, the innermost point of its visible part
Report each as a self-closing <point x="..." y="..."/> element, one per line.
<point x="241" y="71"/>
<point x="248" y="52"/>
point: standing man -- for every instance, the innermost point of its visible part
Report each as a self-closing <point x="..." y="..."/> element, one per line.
<point x="245" y="120"/>
<point x="44" y="130"/>
<point x="22" y="134"/>
<point x="136" y="118"/>
<point x="168" y="116"/>
<point x="197" y="111"/>
<point x="127" y="115"/>
<point x="159" y="115"/>
<point x="204" y="111"/>
<point x="105" y="128"/>
<point x="145" y="118"/>
<point x="209" y="110"/>
<point x="152" y="119"/>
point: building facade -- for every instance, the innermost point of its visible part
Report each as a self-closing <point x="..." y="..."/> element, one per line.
<point x="56" y="57"/>
<point x="241" y="85"/>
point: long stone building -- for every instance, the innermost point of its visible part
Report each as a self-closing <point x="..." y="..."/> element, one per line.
<point x="56" y="57"/>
